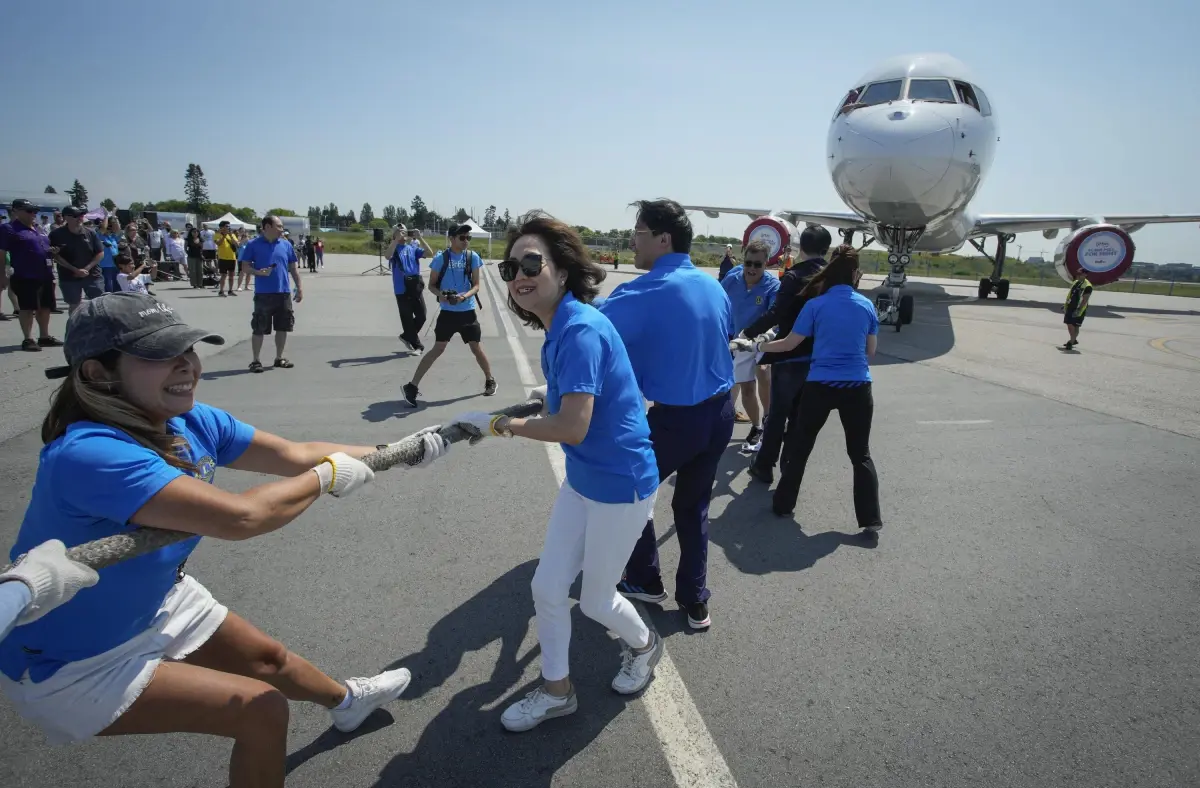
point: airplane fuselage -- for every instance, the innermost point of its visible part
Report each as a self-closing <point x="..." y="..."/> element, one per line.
<point x="910" y="146"/>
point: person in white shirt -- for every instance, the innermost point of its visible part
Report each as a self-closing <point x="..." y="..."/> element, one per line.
<point x="208" y="240"/>
<point x="176" y="252"/>
<point x="131" y="278"/>
<point x="154" y="239"/>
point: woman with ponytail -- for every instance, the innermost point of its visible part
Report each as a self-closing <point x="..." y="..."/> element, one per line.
<point x="844" y="327"/>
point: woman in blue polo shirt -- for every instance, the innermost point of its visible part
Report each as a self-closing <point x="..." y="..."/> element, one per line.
<point x="147" y="649"/>
<point x="595" y="411"/>
<point x="844" y="327"/>
<point x="110" y="237"/>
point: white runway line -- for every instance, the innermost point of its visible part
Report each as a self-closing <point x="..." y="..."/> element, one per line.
<point x="691" y="753"/>
<point x="954" y="423"/>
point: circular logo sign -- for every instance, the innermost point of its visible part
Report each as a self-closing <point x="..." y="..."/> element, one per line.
<point x="768" y="235"/>
<point x="1101" y="252"/>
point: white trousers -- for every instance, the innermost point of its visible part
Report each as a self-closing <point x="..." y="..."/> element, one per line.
<point x="597" y="539"/>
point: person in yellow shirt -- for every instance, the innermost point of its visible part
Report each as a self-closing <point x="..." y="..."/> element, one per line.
<point x="227" y="249"/>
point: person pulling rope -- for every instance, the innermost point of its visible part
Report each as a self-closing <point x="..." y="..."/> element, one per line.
<point x="147" y="649"/>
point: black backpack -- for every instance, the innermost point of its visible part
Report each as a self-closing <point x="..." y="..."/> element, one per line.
<point x="468" y="257"/>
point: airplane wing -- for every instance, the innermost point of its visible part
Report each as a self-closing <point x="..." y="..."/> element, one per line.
<point x="1015" y="223"/>
<point x="849" y="221"/>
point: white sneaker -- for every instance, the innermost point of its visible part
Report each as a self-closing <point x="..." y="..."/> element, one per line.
<point x="537" y="707"/>
<point x="636" y="669"/>
<point x="369" y="694"/>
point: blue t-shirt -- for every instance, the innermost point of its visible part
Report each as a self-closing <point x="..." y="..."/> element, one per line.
<point x="406" y="261"/>
<point x="89" y="483"/>
<point x="675" y="321"/>
<point x="749" y="304"/>
<point x="111" y="244"/>
<point x="839" y="321"/>
<point x="262" y="253"/>
<point x="457" y="278"/>
<point x="583" y="354"/>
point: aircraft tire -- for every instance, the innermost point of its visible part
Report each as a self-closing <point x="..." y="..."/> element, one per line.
<point x="906" y="309"/>
<point x="985" y="287"/>
<point x="1002" y="290"/>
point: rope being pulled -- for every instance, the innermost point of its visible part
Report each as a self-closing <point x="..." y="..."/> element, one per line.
<point x="121" y="547"/>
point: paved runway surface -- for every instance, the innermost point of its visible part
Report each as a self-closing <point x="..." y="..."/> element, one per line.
<point x="1028" y="617"/>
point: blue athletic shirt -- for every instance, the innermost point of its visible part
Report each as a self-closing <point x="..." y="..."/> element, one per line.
<point x="675" y="321"/>
<point x="749" y="304"/>
<point x="406" y="261"/>
<point x="583" y="354"/>
<point x="456" y="279"/>
<point x="111" y="244"/>
<point x="261" y="253"/>
<point x="839" y="321"/>
<point x="89" y="483"/>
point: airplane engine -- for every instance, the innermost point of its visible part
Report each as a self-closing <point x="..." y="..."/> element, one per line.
<point x="778" y="234"/>
<point x="1103" y="251"/>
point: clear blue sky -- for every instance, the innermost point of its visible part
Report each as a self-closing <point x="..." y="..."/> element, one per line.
<point x="579" y="108"/>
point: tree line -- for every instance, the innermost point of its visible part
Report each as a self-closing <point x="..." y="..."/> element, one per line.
<point x="417" y="214"/>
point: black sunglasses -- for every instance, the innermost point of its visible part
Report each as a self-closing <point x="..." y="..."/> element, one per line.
<point x="752" y="265"/>
<point x="531" y="265"/>
<point x="464" y="237"/>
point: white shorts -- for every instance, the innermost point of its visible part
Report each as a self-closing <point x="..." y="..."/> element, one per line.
<point x="744" y="362"/>
<point x="84" y="698"/>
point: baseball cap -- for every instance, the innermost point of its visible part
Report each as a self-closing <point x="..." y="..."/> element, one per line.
<point x="22" y="204"/>
<point x="74" y="212"/>
<point x="455" y="229"/>
<point x="132" y="323"/>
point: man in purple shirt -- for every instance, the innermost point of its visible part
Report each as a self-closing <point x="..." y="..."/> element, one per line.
<point x="32" y="279"/>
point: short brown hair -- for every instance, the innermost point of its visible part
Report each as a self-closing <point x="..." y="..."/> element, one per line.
<point x="568" y="254"/>
<point x="758" y="245"/>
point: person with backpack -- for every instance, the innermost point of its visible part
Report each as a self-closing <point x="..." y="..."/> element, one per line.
<point x="454" y="281"/>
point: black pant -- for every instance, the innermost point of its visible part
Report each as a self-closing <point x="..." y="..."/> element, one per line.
<point x="855" y="406"/>
<point x="787" y="380"/>
<point x="411" y="304"/>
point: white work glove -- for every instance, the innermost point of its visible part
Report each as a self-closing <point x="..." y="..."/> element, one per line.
<point x="341" y="474"/>
<point x="479" y="423"/>
<point x="435" y="445"/>
<point x="53" y="579"/>
<point x="539" y="393"/>
<point x="741" y="345"/>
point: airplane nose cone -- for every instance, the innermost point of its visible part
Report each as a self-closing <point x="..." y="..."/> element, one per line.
<point x="891" y="152"/>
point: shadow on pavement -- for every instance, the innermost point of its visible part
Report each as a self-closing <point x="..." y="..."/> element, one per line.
<point x="465" y="743"/>
<point x="399" y="409"/>
<point x="364" y="361"/>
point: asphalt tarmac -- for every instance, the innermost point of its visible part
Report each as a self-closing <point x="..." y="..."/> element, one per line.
<point x="1027" y="617"/>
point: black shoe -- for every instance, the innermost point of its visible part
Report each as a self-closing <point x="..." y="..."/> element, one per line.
<point x="408" y="343"/>
<point x="758" y="474"/>
<point x="49" y="342"/>
<point x="698" y="616"/>
<point x="652" y="592"/>
<point x="410" y="394"/>
<point x="31" y="346"/>
<point x="489" y="387"/>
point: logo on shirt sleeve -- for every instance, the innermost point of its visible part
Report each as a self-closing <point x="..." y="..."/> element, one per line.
<point x="206" y="469"/>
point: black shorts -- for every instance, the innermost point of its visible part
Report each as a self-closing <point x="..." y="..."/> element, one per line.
<point x="1074" y="320"/>
<point x="229" y="267"/>
<point x="156" y="254"/>
<point x="272" y="310"/>
<point x="33" y="294"/>
<point x="208" y="254"/>
<point x="465" y="324"/>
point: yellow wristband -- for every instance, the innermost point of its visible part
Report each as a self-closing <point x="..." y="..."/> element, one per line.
<point x="495" y="421"/>
<point x="333" y="479"/>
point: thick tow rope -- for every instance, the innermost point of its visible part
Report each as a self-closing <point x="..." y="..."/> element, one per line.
<point x="111" y="550"/>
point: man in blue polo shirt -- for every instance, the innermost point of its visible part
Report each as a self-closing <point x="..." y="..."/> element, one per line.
<point x="270" y="258"/>
<point x="676" y="322"/>
<point x="751" y="290"/>
<point x="454" y="281"/>
<point x="32" y="279"/>
<point x="404" y="255"/>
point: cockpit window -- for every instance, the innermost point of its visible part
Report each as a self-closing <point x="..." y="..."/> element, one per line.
<point x="931" y="90"/>
<point x="850" y="102"/>
<point x="967" y="94"/>
<point x="881" y="93"/>
<point x="985" y="107"/>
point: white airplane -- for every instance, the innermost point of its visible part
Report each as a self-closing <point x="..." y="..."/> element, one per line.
<point x="908" y="148"/>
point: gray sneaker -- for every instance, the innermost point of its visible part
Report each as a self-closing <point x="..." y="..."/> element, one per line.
<point x="537" y="707"/>
<point x="636" y="669"/>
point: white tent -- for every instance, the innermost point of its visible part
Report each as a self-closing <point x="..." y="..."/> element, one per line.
<point x="234" y="222"/>
<point x="479" y="232"/>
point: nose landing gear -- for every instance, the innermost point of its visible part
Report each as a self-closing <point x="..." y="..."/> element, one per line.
<point x="893" y="308"/>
